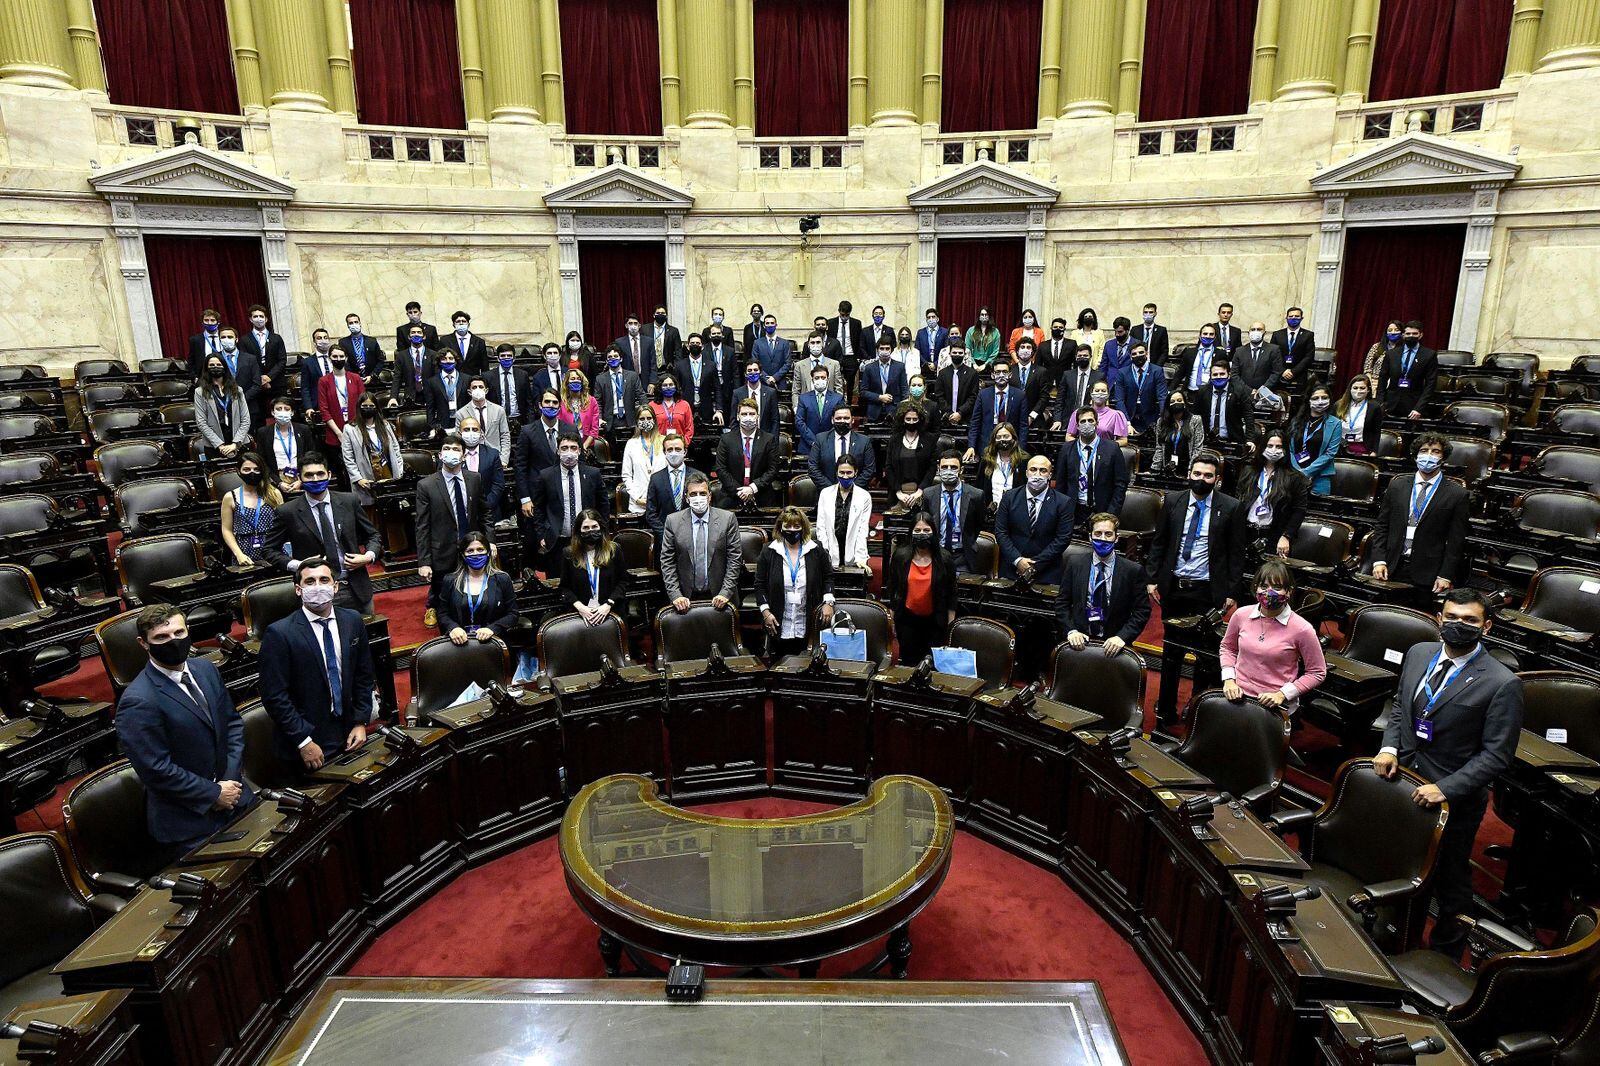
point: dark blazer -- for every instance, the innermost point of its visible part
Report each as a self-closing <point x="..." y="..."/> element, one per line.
<point x="1071" y="384"/>
<point x="295" y="525"/>
<point x="1226" y="543"/>
<point x="181" y="751"/>
<point x="1108" y="481"/>
<point x="492" y="479"/>
<point x="1259" y="369"/>
<point x="1290" y="492"/>
<point x="548" y="510"/>
<point x="198" y="350"/>
<point x="1436" y="550"/>
<point x="982" y="426"/>
<point x="647" y="354"/>
<point x="966" y="395"/>
<point x="811" y="421"/>
<point x="575" y="580"/>
<point x="1144" y="401"/>
<point x="1127" y="607"/>
<point x="1036" y="390"/>
<point x="1229" y="338"/>
<point x="270" y="361"/>
<point x="521" y="385"/>
<point x="247" y="375"/>
<point x="877" y="380"/>
<point x="1238" y="417"/>
<point x="763" y="468"/>
<point x="915" y="467"/>
<point x="267" y="447"/>
<point x="1042" y="541"/>
<point x="544" y="380"/>
<point x="532" y="455"/>
<point x="930" y="345"/>
<point x="310" y="377"/>
<point x="633" y="398"/>
<point x="1301" y="352"/>
<point x="770" y="578"/>
<point x="1369" y="428"/>
<point x="824" y="459"/>
<point x="1476" y="724"/>
<point x="496" y="610"/>
<point x="1421" y="379"/>
<point x="472" y="354"/>
<point x="373" y="351"/>
<point x="766" y="396"/>
<point x="437" y="393"/>
<point x="658" y="502"/>
<point x="405" y="387"/>
<point x="730" y="369"/>
<point x="972" y="505"/>
<point x="870" y="336"/>
<point x="1155" y="340"/>
<point x="438" y="538"/>
<point x="670" y="350"/>
<point x="295" y="689"/>
<point x="430" y="335"/>
<point x="897" y="571"/>
<point x="775" y="354"/>
<point x="705" y="402"/>
<point x="1056" y="354"/>
<point x="859" y="344"/>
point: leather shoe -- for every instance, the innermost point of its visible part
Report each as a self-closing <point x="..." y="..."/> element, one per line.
<point x="430" y="618"/>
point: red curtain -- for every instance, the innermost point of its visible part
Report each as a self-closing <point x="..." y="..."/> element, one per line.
<point x="801" y="75"/>
<point x="981" y="273"/>
<point x="1397" y="272"/>
<point x="1197" y="58"/>
<point x="618" y="279"/>
<point x="991" y="65"/>
<point x="190" y="274"/>
<point x="611" y="64"/>
<point x="406" y="62"/>
<point x="164" y="54"/>
<point x="1432" y="47"/>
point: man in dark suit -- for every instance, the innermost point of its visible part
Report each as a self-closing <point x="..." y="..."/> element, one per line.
<point x="854" y="347"/>
<point x="701" y="556"/>
<point x="414" y="318"/>
<point x="205" y="343"/>
<point x="177" y="725"/>
<point x="957" y="509"/>
<point x="1000" y="402"/>
<point x="316" y="673"/>
<point x="958" y="388"/>
<point x="1140" y="391"/>
<point x="1104" y="596"/>
<point x="472" y="354"/>
<point x="1422" y="525"/>
<point x="413" y="369"/>
<point x="1299" y="346"/>
<point x="1194" y="363"/>
<point x="729" y="363"/>
<point x="883" y="384"/>
<point x="831" y="348"/>
<point x="1455" y="720"/>
<point x="665" y="339"/>
<point x="1072" y="389"/>
<point x="565" y="490"/>
<point x="364" y="353"/>
<point x="1033" y="525"/>
<point x="1259" y="363"/>
<point x="321" y="522"/>
<point x="874" y="334"/>
<point x="282" y="443"/>
<point x="638" y="351"/>
<point x="620" y="394"/>
<point x="1153" y="337"/>
<point x="932" y="337"/>
<point x="1227" y="408"/>
<point x="747" y="463"/>
<point x="1034" y="381"/>
<point x="765" y="396"/>
<point x="271" y="359"/>
<point x="243" y="367"/>
<point x="312" y="369"/>
<point x="445" y="393"/>
<point x="665" y="496"/>
<point x="827" y="449"/>
<point x="1196" y="562"/>
<point x="1229" y="336"/>
<point x="813" y="411"/>
<point x="773" y="353"/>
<point x="1092" y="472"/>
<point x="1406" y="378"/>
<point x="549" y="374"/>
<point x="449" y="506"/>
<point x="509" y="386"/>
<point x="698" y="377"/>
<point x="485" y="461"/>
<point x="535" y="451"/>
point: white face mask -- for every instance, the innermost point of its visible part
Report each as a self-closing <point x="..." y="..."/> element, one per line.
<point x="820" y="386"/>
<point x="575" y="344"/>
<point x="283" y="418"/>
<point x="747" y="423"/>
<point x="259" y="325"/>
<point x="1319" y="406"/>
<point x="1037" y="482"/>
<point x="569" y="459"/>
<point x="451" y="460"/>
<point x="479" y="394"/>
<point x="1255" y="336"/>
<point x="316" y="596"/>
<point x="1358" y="394"/>
<point x="633" y="331"/>
<point x="699" y="504"/>
<point x="461" y="329"/>
<point x="471" y="437"/>
<point x="674" y="459"/>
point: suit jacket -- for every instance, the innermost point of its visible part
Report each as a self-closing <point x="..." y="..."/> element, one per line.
<point x="246" y="373"/>
<point x="295" y="525"/>
<point x="1115" y="357"/>
<point x="1155" y="340"/>
<point x="971" y="515"/>
<point x="1035" y="391"/>
<point x="1476" y="723"/>
<point x="1436" y="550"/>
<point x="180" y="751"/>
<point x="982" y="426"/>
<point x="438" y="536"/>
<point x="373" y="354"/>
<point x="658" y="499"/>
<point x="1141" y="402"/>
<point x="295" y="688"/>
<point x="730" y="369"/>
<point x="724" y="555"/>
<point x="763" y="467"/>
<point x="770" y="579"/>
<point x="647" y="355"/>
<point x="542" y="380"/>
<point x="575" y="587"/>
<point x="267" y="446"/>
<point x="705" y="400"/>
<point x="1229" y="338"/>
<point x="966" y="391"/>
<point x="633" y="397"/>
<point x="670" y="348"/>
<point x="1127" y="606"/>
<point x="775" y="354"/>
<point x="271" y="360"/>
<point x="548" y="511"/>
<point x="1288" y="510"/>
<point x="1187" y="357"/>
<point x="1420" y="380"/>
<point x="824" y="458"/>
<point x="219" y="428"/>
<point x="310" y="380"/>
<point x="766" y="397"/>
<point x="871" y="335"/>
<point x="1239" y="417"/>
<point x="1225" y="543"/>
<point x="492" y="420"/>
<point x="1075" y="383"/>
<point x="402" y="334"/>
<point x="1301" y="352"/>
<point x="858" y="522"/>
<point x="1042" y="541"/>
<point x="812" y="421"/>
<point x="532" y="455"/>
<point x="1261" y="369"/>
<point x="333" y="415"/>
<point x="199" y="349"/>
<point x="496" y="608"/>
<point x="521" y="387"/>
<point x="438" y="394"/>
<point x="877" y="380"/>
<point x="902" y="465"/>
<point x="472" y="354"/>
<point x="354" y="449"/>
<point x="800" y="383"/>
<point x="492" y="476"/>
<point x="858" y="342"/>
<point x="1108" y="481"/>
<point x="930" y="345"/>
<point x="410" y="383"/>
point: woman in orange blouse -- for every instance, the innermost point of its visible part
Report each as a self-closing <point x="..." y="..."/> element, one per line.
<point x="673" y="413"/>
<point x="919" y="583"/>
<point x="1029" y="328"/>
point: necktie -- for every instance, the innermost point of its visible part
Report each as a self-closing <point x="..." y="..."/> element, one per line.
<point x="1097" y="588"/>
<point x="952" y="521"/>
<point x="1033" y="511"/>
<point x="550" y="432"/>
<point x="1420" y="700"/>
<point x="331" y="654"/>
<point x="330" y="539"/>
<point x="702" y="580"/>
<point x="999" y="406"/>
<point x="616" y="391"/>
<point x="1023" y="377"/>
<point x="463" y="344"/>
<point x="840" y="446"/>
<point x="1419" y="500"/>
<point x="509" y="392"/>
<point x="462" y="528"/>
<point x="635" y="343"/>
<point x="747" y="460"/>
<point x="572" y="502"/>
<point x="1138" y="382"/>
<point x="677" y="488"/>
<point x="1193" y="533"/>
<point x="1216" y="410"/>
<point x="192" y="690"/>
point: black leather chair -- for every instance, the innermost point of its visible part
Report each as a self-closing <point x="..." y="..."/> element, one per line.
<point x="149" y="367"/>
<point x="48" y="912"/>
<point x="419" y="462"/>
<point x="873" y="619"/>
<point x="751" y="541"/>
<point x="25" y="427"/>
<point x="27" y="512"/>
<point x="1380" y="633"/>
<point x="1577" y="514"/>
<point x="638" y="548"/>
<point x="106" y="426"/>
<point x="120" y="651"/>
<point x="85" y="369"/>
<point x="1555" y="699"/>
<point x="1557" y="604"/>
<point x="1323" y="542"/>
<point x="20" y="598"/>
<point x="993" y="644"/>
<point x="803" y="493"/>
<point x="1570" y="463"/>
<point x="1354" y="480"/>
<point x="177" y="414"/>
<point x="171" y="389"/>
<point x="262" y="767"/>
<point x="1141" y="510"/>
<point x="441" y="671"/>
<point x="142" y="562"/>
<point x="1523" y="364"/>
<point x="1240" y="745"/>
<point x="691" y="635"/>
<point x="1380" y="875"/>
<point x="1488" y="418"/>
<point x="1577" y="418"/>
<point x="567" y="645"/>
<point x="148" y="494"/>
<point x="99" y="397"/>
<point x="1473" y="456"/>
<point x="1391" y="445"/>
<point x="107" y="833"/>
<point x="21" y="468"/>
<point x="264" y="603"/>
<point x="1110" y="686"/>
<point x="413" y="426"/>
<point x="1485" y="385"/>
<point x="222" y="482"/>
<point x="986" y="552"/>
<point x="600" y="451"/>
<point x="125" y="459"/>
<point x="22" y="372"/>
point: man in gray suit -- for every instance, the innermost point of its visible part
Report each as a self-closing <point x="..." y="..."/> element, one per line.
<point x="492" y="421"/>
<point x="700" y="553"/>
<point x="1455" y="720"/>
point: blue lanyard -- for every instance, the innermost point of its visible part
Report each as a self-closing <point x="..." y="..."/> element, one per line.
<point x="594" y="575"/>
<point x="473" y="601"/>
<point x="793" y="567"/>
<point x="1418" y="511"/>
<point x="1263" y="485"/>
<point x="1356" y="414"/>
<point x="1435" y="696"/>
<point x="255" y="518"/>
<point x="1311" y="430"/>
<point x="286" y="445"/>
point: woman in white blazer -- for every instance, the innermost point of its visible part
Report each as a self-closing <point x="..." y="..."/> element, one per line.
<point x="641" y="457"/>
<point x="858" y="517"/>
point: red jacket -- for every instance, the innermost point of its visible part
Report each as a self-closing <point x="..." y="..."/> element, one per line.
<point x="333" y="416"/>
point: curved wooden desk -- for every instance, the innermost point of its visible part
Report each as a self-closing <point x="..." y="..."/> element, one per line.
<point x="754" y="893"/>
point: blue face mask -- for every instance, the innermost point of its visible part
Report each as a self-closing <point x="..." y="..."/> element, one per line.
<point x="355" y="330"/>
<point x="771" y="330"/>
<point x="507" y="361"/>
<point x="669" y="391"/>
<point x="1219" y="383"/>
<point x="416" y="342"/>
<point x="316" y="488"/>
<point x="847" y="482"/>
<point x="461" y="329"/>
<point x="1393" y="337"/>
<point x="877" y="320"/>
<point x="754" y="379"/>
<point x="613" y="363"/>
<point x="1103" y="548"/>
<point x="447" y="368"/>
<point x="212" y="327"/>
<point x="1294" y="323"/>
<point x="550" y="412"/>
<point x="1427" y="463"/>
<point x="477" y="562"/>
<point x="1206" y="342"/>
<point x="574" y="387"/>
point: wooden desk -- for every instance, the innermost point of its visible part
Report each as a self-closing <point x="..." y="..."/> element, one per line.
<point x="716" y="718"/>
<point x="100" y="1032"/>
<point x="1347" y="1026"/>
<point x="922" y="725"/>
<point x="611" y="723"/>
<point x="821" y="727"/>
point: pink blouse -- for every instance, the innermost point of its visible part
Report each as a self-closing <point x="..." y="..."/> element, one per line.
<point x="1113" y="423"/>
<point x="1263" y="654"/>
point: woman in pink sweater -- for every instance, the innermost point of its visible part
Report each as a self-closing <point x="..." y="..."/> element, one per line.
<point x="1270" y="653"/>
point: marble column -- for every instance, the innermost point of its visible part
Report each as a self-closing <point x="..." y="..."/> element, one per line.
<point x="340" y="74"/>
<point x="293" y="37"/>
<point x="667" y="46"/>
<point x="707" y="88"/>
<point x="1523" y="48"/>
<point x="85" y="38"/>
<point x="33" y="44"/>
<point x="858" y="64"/>
<point x="1569" y="35"/>
<point x="892" y="61"/>
<point x="1050" y="62"/>
<point x="1263" y="71"/>
<point x="932" y="60"/>
<point x="1358" y="50"/>
<point x="1312" y="38"/>
<point x="555" y="100"/>
<point x="512" y="81"/>
<point x="469" y="38"/>
<point x="1130" y="70"/>
<point x="1093" y="42"/>
<point x="744" y="66"/>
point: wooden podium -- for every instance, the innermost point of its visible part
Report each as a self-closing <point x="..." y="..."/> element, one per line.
<point x="821" y="727"/>
<point x="717" y="726"/>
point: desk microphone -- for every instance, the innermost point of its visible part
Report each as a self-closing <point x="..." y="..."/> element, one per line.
<point x="1280" y="900"/>
<point x="1396" y="1050"/>
<point x="400" y="742"/>
<point x="291" y="799"/>
<point x="1120" y="743"/>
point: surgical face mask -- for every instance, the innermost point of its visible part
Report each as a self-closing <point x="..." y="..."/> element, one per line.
<point x="576" y="344"/>
<point x="1087" y="429"/>
<point x="613" y="362"/>
<point x="1098" y="399"/>
<point x="1459" y="634"/>
<point x="847" y="481"/>
<point x="417" y="339"/>
<point x="818" y="386"/>
<point x="316" y="596"/>
<point x="1427" y="462"/>
<point x="675" y="459"/>
<point x="911" y="425"/>
<point x="841" y="428"/>
<point x="1037" y="482"/>
<point x="815" y="348"/>
<point x="1103" y="548"/>
<point x="885" y="355"/>
<point x="877" y="320"/>
<point x="983" y="320"/>
<point x="461" y="329"/>
<point x="338" y="362"/>
<point x="575" y="387"/>
<point x="1358" y="393"/>
<point x="1149" y="317"/>
<point x="1082" y="360"/>
<point x="173" y="654"/>
<point x="569" y="458"/>
<point x="1025" y="353"/>
<point x="669" y="391"/>
<point x="771" y="329"/>
<point x="1089" y="323"/>
<point x="550" y="410"/>
<point x="1027" y="321"/>
<point x="507" y="361"/>
<point x="716" y="339"/>
<point x="1270" y="598"/>
<point x="283" y="418"/>
<point x="696" y="348"/>
<point x="447" y="368"/>
<point x="229" y="344"/>
<point x="315" y="487"/>
<point x="699" y="504"/>
<point x="451" y="459"/>
<point x="633" y="329"/>
<point x="323" y="344"/>
<point x="949" y="477"/>
<point x="212" y="327"/>
<point x="250" y="477"/>
<point x="933" y="323"/>
<point x="214" y="372"/>
<point x="368" y="411"/>
<point x="917" y="392"/>
<point x="1319" y="406"/>
<point x="1272" y="455"/>
<point x="717" y="318"/>
<point x="1002" y="379"/>
<point x="479" y="393"/>
<point x="1294" y="323"/>
<point x="1392" y="337"/>
<point x="355" y="329"/>
<point x="747" y="423"/>
<point x="1219" y="383"/>
<point x="1200" y="487"/>
<point x="477" y="560"/>
<point x="957" y="357"/>
<point x="1058" y="331"/>
<point x="1207" y="342"/>
<point x="1255" y="336"/>
<point x="471" y="437"/>
<point x="1140" y="359"/>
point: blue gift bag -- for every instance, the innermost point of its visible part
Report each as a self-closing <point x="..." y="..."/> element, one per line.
<point x="848" y="643"/>
<point x="963" y="662"/>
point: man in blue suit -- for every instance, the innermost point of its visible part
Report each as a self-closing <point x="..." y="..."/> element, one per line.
<point x="932" y="337"/>
<point x="829" y="447"/>
<point x="813" y="413"/>
<point x="773" y="352"/>
<point x="1033" y="525"/>
<point x="1140" y="390"/>
<point x="316" y="673"/>
<point x="1000" y="402"/>
<point x="179" y="729"/>
<point x="883" y="384"/>
<point x="1092" y="471"/>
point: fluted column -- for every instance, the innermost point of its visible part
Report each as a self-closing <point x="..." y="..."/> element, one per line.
<point x="1264" y="70"/>
<point x="858" y="64"/>
<point x="85" y="39"/>
<point x="1569" y="35"/>
<point x="892" y="61"/>
<point x="932" y="60"/>
<point x="707" y="88"/>
<point x="1050" y="61"/>
<point x="340" y="74"/>
<point x="1130" y="70"/>
<point x="1312" y="37"/>
<point x="33" y="44"/>
<point x="744" y="65"/>
<point x="513" y="82"/>
<point x="1358" y="49"/>
<point x="555" y="101"/>
<point x="293" y="37"/>
<point x="1522" y="50"/>
<point x="468" y="37"/>
<point x="671" y="82"/>
<point x="1093" y="41"/>
<point x="246" y="54"/>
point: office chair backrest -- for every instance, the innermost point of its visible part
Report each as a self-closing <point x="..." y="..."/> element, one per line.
<point x="26" y="512"/>
<point x="986" y="553"/>
<point x="1562" y="511"/>
<point x="19" y="592"/>
<point x="567" y="645"/>
<point x="172" y="389"/>
<point x="1565" y="595"/>
<point x="106" y="425"/>
<point x="1475" y="457"/>
<point x="43" y="899"/>
<point x="1571" y="463"/>
<point x="265" y="602"/>
<point x="692" y="634"/>
<point x="1323" y="541"/>
<point x="1556" y="699"/>
<point x="1380" y="634"/>
<point x="120" y="650"/>
<point x="1141" y="510"/>
<point x="1109" y="686"/>
<point x="20" y="468"/>
<point x="1542" y="991"/>
<point x="1239" y="744"/>
<point x="106" y="828"/>
<point x="1390" y="444"/>
<point x="149" y="494"/>
<point x="85" y="369"/>
<point x="413" y="426"/>
<point x="1577" y="418"/>
<point x="123" y="459"/>
<point x="146" y="560"/>
<point x="261" y="765"/>
<point x="1525" y="364"/>
<point x="1372" y="829"/>
<point x="441" y="670"/>
<point x="803" y="492"/>
<point x="994" y="645"/>
<point x="638" y="548"/>
<point x="1354" y="479"/>
<point x="751" y="541"/>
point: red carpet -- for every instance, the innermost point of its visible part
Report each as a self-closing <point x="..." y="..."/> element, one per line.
<point x="997" y="917"/>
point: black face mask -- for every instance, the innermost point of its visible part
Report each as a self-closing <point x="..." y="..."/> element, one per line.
<point x="369" y="412"/>
<point x="1083" y="360"/>
<point x="250" y="477"/>
<point x="842" y="428"/>
<point x="1057" y="331"/>
<point x="1458" y="634"/>
<point x="1200" y="488"/>
<point x="216" y="375"/>
<point x="172" y="654"/>
<point x="922" y="540"/>
<point x="695" y="349"/>
<point x="592" y="537"/>
<point x="792" y="535"/>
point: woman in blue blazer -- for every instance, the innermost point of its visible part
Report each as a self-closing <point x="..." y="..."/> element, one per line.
<point x="1315" y="437"/>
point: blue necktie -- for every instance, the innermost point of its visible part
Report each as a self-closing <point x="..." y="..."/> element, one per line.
<point x="329" y="652"/>
<point x="1194" y="529"/>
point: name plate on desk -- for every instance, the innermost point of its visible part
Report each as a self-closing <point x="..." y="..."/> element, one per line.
<point x="1240" y="840"/>
<point x="1541" y="754"/>
<point x="264" y="826"/>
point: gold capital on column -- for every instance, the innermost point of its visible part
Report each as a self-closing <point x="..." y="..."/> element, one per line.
<point x="1569" y="35"/>
<point x="246" y="55"/>
<point x="707" y="95"/>
<point x="85" y="45"/>
<point x="468" y="18"/>
<point x="508" y="40"/>
<point x="1311" y="43"/>
<point x="341" y="75"/>
<point x="33" y="43"/>
<point x="1089" y="57"/>
<point x="293" y="36"/>
<point x="1522" y="49"/>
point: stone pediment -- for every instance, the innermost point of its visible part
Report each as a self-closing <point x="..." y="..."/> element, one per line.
<point x="191" y="172"/>
<point x="619" y="186"/>
<point x="1417" y="160"/>
<point x="983" y="184"/>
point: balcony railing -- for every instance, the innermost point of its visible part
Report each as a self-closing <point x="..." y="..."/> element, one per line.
<point x="1015" y="148"/>
<point x="157" y="129"/>
<point x="1471" y="116"/>
<point x="1228" y="134"/>
<point x="381" y="144"/>
<point x="799" y="153"/>
<point x="641" y="153"/>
